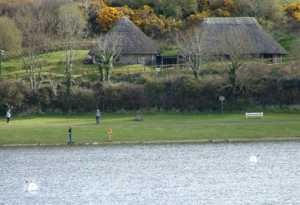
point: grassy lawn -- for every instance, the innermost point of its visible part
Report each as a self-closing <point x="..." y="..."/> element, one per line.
<point x="53" y="63"/>
<point x="155" y="127"/>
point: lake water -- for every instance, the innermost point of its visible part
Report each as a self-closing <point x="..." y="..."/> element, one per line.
<point x="258" y="173"/>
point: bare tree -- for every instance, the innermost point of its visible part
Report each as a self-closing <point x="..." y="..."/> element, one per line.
<point x="2" y="56"/>
<point x="260" y="9"/>
<point x="32" y="61"/>
<point x="71" y="21"/>
<point x="33" y="66"/>
<point x="190" y="47"/>
<point x="233" y="50"/>
<point x="108" y="49"/>
<point x="230" y="48"/>
<point x="70" y="26"/>
<point x="69" y="55"/>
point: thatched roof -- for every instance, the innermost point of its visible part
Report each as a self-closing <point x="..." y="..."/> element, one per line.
<point x="219" y="36"/>
<point x="133" y="39"/>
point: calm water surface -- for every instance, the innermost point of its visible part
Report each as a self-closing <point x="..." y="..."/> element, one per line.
<point x="261" y="173"/>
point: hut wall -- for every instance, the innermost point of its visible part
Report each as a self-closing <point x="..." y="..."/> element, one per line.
<point x="273" y="58"/>
<point x="277" y="59"/>
<point x="136" y="59"/>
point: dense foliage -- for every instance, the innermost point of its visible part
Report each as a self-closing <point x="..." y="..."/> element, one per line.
<point x="42" y="22"/>
<point x="258" y="85"/>
<point x="36" y="26"/>
<point x="10" y="36"/>
<point x="293" y="11"/>
<point x="158" y="17"/>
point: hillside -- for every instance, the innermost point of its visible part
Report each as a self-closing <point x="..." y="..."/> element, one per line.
<point x="158" y="19"/>
<point x="53" y="64"/>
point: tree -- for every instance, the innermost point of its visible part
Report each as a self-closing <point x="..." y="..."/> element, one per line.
<point x="261" y="9"/>
<point x="92" y="9"/>
<point x="188" y="7"/>
<point x="10" y="36"/>
<point x="232" y="51"/>
<point x="2" y="55"/>
<point x="293" y="11"/>
<point x="33" y="28"/>
<point x="143" y="17"/>
<point x="147" y="20"/>
<point x="39" y="24"/>
<point x="71" y="21"/>
<point x="190" y="47"/>
<point x="9" y="7"/>
<point x="108" y="49"/>
<point x="33" y="66"/>
<point x="68" y="75"/>
<point x="71" y="25"/>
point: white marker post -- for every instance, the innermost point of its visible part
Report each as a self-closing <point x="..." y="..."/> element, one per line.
<point x="222" y="99"/>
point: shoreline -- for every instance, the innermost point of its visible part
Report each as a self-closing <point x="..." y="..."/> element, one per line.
<point x="160" y="142"/>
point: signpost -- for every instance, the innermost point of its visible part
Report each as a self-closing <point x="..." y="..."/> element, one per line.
<point x="222" y="99"/>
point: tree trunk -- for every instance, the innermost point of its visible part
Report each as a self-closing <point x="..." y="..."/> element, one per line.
<point x="107" y="73"/>
<point x="101" y="73"/>
<point x="196" y="75"/>
<point x="234" y="66"/>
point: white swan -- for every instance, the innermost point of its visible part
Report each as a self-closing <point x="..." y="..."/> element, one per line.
<point x="31" y="187"/>
<point x="254" y="159"/>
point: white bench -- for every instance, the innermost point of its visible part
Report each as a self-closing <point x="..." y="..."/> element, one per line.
<point x="254" y="115"/>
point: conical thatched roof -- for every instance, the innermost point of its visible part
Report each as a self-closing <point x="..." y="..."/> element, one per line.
<point x="219" y="36"/>
<point x="133" y="39"/>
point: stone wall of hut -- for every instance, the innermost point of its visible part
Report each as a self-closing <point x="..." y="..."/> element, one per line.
<point x="136" y="59"/>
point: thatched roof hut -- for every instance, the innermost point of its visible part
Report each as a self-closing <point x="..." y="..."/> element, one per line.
<point x="134" y="40"/>
<point x="136" y="47"/>
<point x="220" y="36"/>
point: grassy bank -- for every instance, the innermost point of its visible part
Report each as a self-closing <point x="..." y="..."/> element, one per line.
<point x="155" y="127"/>
<point x="53" y="65"/>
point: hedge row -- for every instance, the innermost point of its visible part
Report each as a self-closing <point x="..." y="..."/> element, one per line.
<point x="182" y="93"/>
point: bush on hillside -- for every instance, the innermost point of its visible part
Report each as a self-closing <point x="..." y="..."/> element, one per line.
<point x="258" y="85"/>
<point x="83" y="100"/>
<point x="13" y="94"/>
<point x="10" y="36"/>
<point x="184" y="94"/>
<point x="114" y="97"/>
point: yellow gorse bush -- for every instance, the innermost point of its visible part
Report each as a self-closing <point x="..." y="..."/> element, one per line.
<point x="293" y="10"/>
<point x="145" y="18"/>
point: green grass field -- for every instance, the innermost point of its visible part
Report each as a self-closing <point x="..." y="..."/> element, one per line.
<point x="155" y="127"/>
<point x="53" y="63"/>
<point x="53" y="67"/>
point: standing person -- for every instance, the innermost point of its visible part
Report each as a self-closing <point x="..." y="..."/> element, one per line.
<point x="98" y="116"/>
<point x="8" y="115"/>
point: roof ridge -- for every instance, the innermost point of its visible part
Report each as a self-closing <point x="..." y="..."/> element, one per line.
<point x="230" y="20"/>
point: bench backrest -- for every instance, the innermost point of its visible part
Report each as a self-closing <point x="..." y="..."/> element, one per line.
<point x="254" y="114"/>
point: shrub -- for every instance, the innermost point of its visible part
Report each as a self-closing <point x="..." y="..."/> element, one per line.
<point x="119" y="96"/>
<point x="10" y="36"/>
<point x="270" y="85"/>
<point x="83" y="100"/>
<point x="259" y="85"/>
<point x="12" y="93"/>
<point x="46" y="96"/>
<point x="184" y="93"/>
